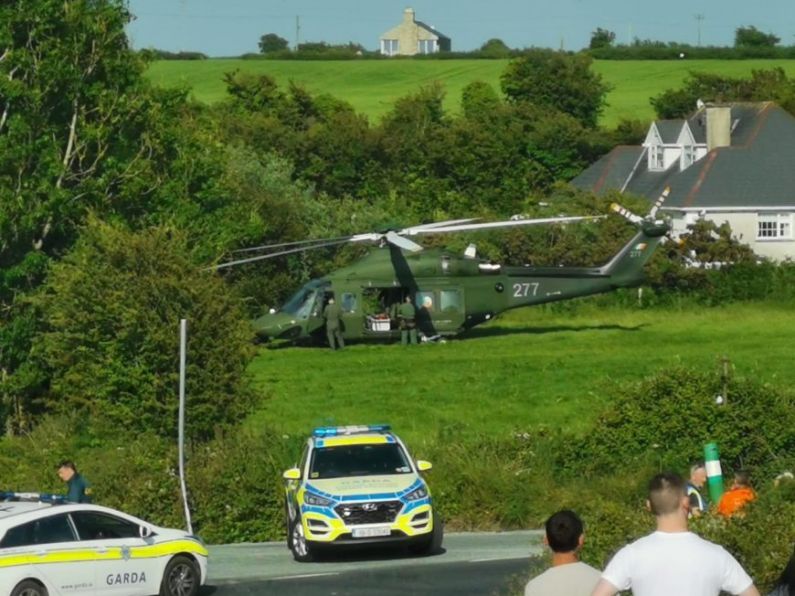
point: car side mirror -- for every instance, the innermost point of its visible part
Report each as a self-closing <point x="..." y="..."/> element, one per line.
<point x="145" y="531"/>
<point x="424" y="466"/>
<point x="292" y="474"/>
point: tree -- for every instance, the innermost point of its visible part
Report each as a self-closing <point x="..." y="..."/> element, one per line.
<point x="270" y="42"/>
<point x="751" y="37"/>
<point x="495" y="48"/>
<point x="602" y="38"/>
<point x="762" y="85"/>
<point x="110" y="344"/>
<point x="556" y="80"/>
<point x="74" y="124"/>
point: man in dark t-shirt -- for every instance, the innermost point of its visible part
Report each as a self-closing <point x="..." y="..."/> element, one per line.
<point x="78" y="490"/>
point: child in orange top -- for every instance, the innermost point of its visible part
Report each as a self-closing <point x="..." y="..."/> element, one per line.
<point x="740" y="493"/>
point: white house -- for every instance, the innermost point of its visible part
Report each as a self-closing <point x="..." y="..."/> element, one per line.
<point x="731" y="164"/>
<point x="413" y="37"/>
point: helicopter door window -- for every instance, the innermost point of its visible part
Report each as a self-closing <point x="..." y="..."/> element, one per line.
<point x="348" y="302"/>
<point x="450" y="301"/>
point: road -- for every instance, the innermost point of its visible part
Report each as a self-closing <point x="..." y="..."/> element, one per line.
<point x="473" y="563"/>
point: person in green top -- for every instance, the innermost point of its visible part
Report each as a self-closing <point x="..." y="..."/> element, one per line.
<point x="332" y="314"/>
<point x="408" y="322"/>
<point x="78" y="489"/>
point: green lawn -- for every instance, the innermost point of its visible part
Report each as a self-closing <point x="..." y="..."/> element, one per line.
<point x="528" y="369"/>
<point x="372" y="86"/>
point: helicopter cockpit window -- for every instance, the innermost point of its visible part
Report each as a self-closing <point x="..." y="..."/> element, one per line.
<point x="450" y="301"/>
<point x="300" y="305"/>
<point x="348" y="302"/>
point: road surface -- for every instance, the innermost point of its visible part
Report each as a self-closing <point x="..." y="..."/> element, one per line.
<point x="473" y="563"/>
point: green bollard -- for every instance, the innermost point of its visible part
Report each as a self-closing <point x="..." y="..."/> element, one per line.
<point x="714" y="472"/>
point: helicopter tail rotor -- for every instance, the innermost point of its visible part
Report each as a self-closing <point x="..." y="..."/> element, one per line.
<point x="637" y="219"/>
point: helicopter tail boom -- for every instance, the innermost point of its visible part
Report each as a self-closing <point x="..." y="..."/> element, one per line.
<point x="626" y="268"/>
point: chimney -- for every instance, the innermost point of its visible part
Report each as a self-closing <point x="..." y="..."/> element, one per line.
<point x="719" y="127"/>
<point x="408" y="16"/>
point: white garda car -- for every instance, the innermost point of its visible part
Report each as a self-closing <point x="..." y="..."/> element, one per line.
<point x="51" y="549"/>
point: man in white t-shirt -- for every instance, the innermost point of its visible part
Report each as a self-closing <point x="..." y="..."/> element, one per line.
<point x="567" y="576"/>
<point x="673" y="560"/>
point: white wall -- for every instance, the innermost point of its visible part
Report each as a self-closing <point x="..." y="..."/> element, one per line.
<point x="744" y="225"/>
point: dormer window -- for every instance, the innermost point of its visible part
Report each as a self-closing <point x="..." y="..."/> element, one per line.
<point x="656" y="158"/>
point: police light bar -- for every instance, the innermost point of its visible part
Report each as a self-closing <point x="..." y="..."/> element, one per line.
<point x="332" y="431"/>
<point x="34" y="497"/>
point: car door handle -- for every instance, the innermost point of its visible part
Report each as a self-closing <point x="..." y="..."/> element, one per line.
<point x="102" y="550"/>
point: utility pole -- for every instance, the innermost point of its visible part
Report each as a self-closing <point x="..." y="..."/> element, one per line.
<point x="699" y="19"/>
<point x="297" y="31"/>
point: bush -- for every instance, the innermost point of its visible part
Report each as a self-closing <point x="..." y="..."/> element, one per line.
<point x="665" y="420"/>
<point x="111" y="343"/>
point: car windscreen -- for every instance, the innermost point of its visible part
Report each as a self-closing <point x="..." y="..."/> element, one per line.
<point x="358" y="460"/>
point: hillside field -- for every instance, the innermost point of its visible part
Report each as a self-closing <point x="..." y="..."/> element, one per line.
<point x="533" y="367"/>
<point x="372" y="86"/>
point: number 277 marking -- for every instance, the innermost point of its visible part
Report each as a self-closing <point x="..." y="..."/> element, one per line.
<point x="524" y="290"/>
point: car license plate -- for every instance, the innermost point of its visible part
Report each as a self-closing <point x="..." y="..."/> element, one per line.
<point x="371" y="532"/>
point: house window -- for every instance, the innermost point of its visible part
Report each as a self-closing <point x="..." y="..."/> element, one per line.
<point x="688" y="156"/>
<point x="426" y="46"/>
<point x="774" y="225"/>
<point x="389" y="47"/>
<point x="656" y="158"/>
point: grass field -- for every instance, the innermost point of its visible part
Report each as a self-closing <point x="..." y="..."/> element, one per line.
<point x="372" y="86"/>
<point x="530" y="368"/>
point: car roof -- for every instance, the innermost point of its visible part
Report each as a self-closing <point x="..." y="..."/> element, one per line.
<point x="11" y="508"/>
<point x="16" y="512"/>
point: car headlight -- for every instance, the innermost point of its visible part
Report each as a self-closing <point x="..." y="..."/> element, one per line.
<point x="312" y="499"/>
<point x="418" y="494"/>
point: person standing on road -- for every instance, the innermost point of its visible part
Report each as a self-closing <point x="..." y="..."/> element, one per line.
<point x="568" y="575"/>
<point x="332" y="314"/>
<point x="673" y="560"/>
<point x="408" y="322"/>
<point x="78" y="490"/>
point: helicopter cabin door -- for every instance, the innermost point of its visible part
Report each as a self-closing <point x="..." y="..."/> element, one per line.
<point x="351" y="313"/>
<point x="440" y="311"/>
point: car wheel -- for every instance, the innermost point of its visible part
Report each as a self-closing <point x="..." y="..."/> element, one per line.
<point x="29" y="588"/>
<point x="299" y="545"/>
<point x="182" y="577"/>
<point x="431" y="544"/>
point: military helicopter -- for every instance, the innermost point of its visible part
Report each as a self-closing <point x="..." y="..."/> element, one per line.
<point x="452" y="293"/>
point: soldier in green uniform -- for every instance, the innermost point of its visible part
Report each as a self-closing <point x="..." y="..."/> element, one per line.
<point x="332" y="314"/>
<point x="408" y="322"/>
<point x="78" y="490"/>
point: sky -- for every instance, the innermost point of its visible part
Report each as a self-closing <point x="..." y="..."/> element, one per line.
<point x="233" y="27"/>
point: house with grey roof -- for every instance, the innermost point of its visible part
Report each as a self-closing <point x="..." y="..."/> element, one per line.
<point x="413" y="37"/>
<point x="730" y="164"/>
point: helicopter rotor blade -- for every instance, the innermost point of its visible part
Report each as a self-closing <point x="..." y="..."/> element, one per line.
<point x="507" y="224"/>
<point x="626" y="213"/>
<point x="286" y="244"/>
<point x="660" y="200"/>
<point x="439" y="224"/>
<point x="278" y="254"/>
<point x="401" y="242"/>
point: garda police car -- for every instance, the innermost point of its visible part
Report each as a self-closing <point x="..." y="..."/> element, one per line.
<point x="356" y="485"/>
<point x="50" y="549"/>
